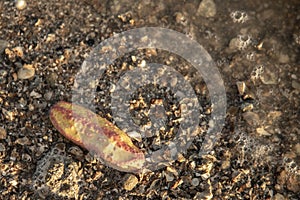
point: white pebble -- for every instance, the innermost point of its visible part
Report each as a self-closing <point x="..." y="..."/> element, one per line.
<point x="21" y="4"/>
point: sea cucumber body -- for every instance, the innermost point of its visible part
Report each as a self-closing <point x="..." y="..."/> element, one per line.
<point x="98" y="135"/>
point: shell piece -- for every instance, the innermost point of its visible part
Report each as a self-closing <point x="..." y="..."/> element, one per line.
<point x="98" y="135"/>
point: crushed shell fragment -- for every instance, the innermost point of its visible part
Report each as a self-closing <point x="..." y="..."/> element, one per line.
<point x="98" y="135"/>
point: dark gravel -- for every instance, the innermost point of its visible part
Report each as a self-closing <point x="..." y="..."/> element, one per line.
<point x="256" y="47"/>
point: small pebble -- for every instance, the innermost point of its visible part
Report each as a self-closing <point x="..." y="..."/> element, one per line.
<point x="262" y="132"/>
<point x="8" y="114"/>
<point x="247" y="107"/>
<point x="35" y="94"/>
<point x="48" y="95"/>
<point x="180" y="18"/>
<point x="26" y="72"/>
<point x="169" y="177"/>
<point x="177" y="183"/>
<point x="241" y="87"/>
<point x="195" y="182"/>
<point x="3" y="75"/>
<point x="142" y="64"/>
<point x="207" y="8"/>
<point x="130" y="182"/>
<point x="21" y="4"/>
<point x="2" y="133"/>
<point x="18" y="51"/>
<point x="283" y="57"/>
<point x="2" y="147"/>
<point x="23" y="141"/>
<point x="279" y="197"/>
<point x="296" y="85"/>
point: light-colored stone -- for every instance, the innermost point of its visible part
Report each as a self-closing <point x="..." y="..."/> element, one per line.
<point x="262" y="132"/>
<point x="21" y="4"/>
<point x="35" y="94"/>
<point x="283" y="57"/>
<point x="195" y="182"/>
<point x="279" y="197"/>
<point x="26" y="72"/>
<point x="169" y="177"/>
<point x="48" y="95"/>
<point x="23" y="141"/>
<point x="8" y="114"/>
<point x="241" y="86"/>
<point x="19" y="52"/>
<point x="2" y="147"/>
<point x="2" y="133"/>
<point x="3" y="75"/>
<point x="207" y="8"/>
<point x="130" y="182"/>
<point x="296" y="85"/>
